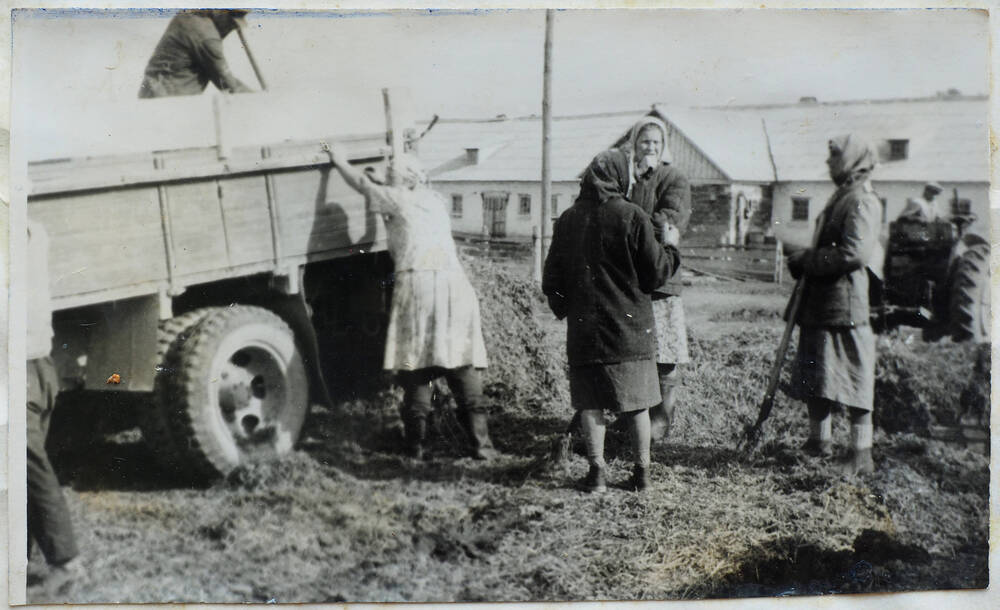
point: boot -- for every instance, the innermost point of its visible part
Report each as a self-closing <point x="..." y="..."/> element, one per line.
<point x="415" y="432"/>
<point x="820" y="443"/>
<point x="482" y="446"/>
<point x="859" y="458"/>
<point x="858" y="461"/>
<point x="661" y="419"/>
<point x="817" y="448"/>
<point x="596" y="481"/>
<point x="639" y="480"/>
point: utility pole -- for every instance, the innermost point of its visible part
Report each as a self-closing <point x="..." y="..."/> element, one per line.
<point x="546" y="228"/>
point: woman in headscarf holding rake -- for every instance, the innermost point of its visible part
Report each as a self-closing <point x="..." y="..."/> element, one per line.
<point x="835" y="363"/>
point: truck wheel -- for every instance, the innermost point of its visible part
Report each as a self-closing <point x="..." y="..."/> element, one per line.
<point x="155" y="422"/>
<point x="240" y="390"/>
<point x="969" y="302"/>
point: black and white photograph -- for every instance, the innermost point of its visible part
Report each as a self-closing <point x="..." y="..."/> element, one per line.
<point x="347" y="306"/>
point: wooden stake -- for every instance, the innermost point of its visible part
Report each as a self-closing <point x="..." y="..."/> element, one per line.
<point x="546" y="228"/>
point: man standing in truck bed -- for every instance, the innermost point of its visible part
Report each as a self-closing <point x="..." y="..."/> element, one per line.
<point x="190" y="55"/>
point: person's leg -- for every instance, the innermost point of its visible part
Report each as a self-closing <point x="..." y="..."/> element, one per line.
<point x="859" y="457"/>
<point x="662" y="415"/>
<point x="640" y="426"/>
<point x="49" y="523"/>
<point x="415" y="409"/>
<point x="820" y="442"/>
<point x="467" y="387"/>
<point x="594" y="427"/>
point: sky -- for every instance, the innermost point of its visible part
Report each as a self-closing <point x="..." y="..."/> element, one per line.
<point x="483" y="63"/>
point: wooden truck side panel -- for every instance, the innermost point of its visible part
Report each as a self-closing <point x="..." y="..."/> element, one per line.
<point x="143" y="230"/>
<point x="101" y="240"/>
<point x="130" y="233"/>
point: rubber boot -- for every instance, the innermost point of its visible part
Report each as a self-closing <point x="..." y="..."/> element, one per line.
<point x="482" y="445"/>
<point x="594" y="428"/>
<point x="661" y="417"/>
<point x="820" y="442"/>
<point x="640" y="421"/>
<point x="859" y="457"/>
<point x="415" y="432"/>
<point x="639" y="480"/>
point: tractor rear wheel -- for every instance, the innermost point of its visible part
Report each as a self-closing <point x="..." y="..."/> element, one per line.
<point x="239" y="390"/>
<point x="969" y="298"/>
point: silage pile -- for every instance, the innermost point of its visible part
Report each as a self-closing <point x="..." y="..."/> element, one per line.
<point x="526" y="374"/>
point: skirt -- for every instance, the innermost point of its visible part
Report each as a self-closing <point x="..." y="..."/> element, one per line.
<point x="618" y="387"/>
<point x="836" y="363"/>
<point x="434" y="321"/>
<point x="671" y="331"/>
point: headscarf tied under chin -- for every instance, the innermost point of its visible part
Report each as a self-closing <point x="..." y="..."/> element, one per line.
<point x="633" y="136"/>
<point x="632" y="148"/>
<point x="606" y="178"/>
<point x="405" y="171"/>
<point x="855" y="162"/>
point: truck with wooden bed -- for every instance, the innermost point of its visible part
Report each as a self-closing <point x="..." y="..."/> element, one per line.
<point x="212" y="283"/>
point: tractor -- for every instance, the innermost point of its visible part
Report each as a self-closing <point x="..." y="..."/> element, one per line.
<point x="937" y="277"/>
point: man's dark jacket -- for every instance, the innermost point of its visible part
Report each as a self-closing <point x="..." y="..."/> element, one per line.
<point x="602" y="265"/>
<point x="187" y="58"/>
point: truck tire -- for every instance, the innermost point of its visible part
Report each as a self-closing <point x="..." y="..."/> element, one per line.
<point x="240" y="390"/>
<point x="154" y="422"/>
<point x="969" y="299"/>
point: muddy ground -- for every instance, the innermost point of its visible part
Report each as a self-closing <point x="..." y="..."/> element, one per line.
<point x="348" y="518"/>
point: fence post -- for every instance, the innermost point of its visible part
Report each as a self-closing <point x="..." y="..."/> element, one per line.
<point x="536" y="249"/>
<point x="779" y="262"/>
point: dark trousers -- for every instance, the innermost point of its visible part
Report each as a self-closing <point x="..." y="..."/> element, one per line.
<point x="49" y="523"/>
<point x="465" y="383"/>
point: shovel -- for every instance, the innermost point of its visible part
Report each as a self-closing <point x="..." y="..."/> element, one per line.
<point x="752" y="434"/>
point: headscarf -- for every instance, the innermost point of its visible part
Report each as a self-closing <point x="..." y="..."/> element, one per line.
<point x="633" y="140"/>
<point x="607" y="177"/>
<point x="655" y="122"/>
<point x="405" y="170"/>
<point x="857" y="159"/>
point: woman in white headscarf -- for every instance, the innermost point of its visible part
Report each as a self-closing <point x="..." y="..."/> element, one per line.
<point x="434" y="323"/>
<point x="835" y="363"/>
<point x="663" y="192"/>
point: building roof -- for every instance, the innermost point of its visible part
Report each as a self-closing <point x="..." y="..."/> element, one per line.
<point x="948" y="139"/>
<point x="733" y="140"/>
<point x="511" y="149"/>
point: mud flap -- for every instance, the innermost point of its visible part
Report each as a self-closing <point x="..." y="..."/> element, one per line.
<point x="296" y="312"/>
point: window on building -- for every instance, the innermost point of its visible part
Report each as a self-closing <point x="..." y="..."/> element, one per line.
<point x="898" y="149"/>
<point x="456" y="206"/>
<point x="555" y="206"/>
<point x="800" y="208"/>
<point x="885" y="209"/>
<point x="524" y="206"/>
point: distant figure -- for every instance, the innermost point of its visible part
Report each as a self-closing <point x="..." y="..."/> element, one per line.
<point x="835" y="362"/>
<point x="923" y="208"/>
<point x="49" y="524"/>
<point x="662" y="191"/>
<point x="604" y="262"/>
<point x="434" y="324"/>
<point x="189" y="55"/>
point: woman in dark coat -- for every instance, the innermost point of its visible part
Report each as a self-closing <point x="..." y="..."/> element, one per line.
<point x="602" y="266"/>
<point x="663" y="192"/>
<point x="835" y="363"/>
